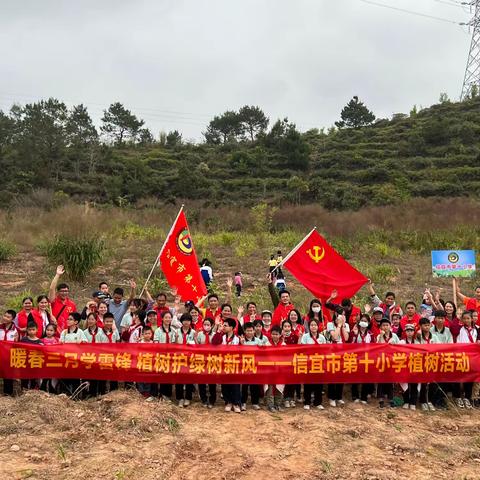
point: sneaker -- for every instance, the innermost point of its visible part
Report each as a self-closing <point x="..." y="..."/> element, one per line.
<point x="381" y="404"/>
<point x="244" y="407"/>
<point x="166" y="399"/>
<point x="150" y="399"/>
<point x="271" y="409"/>
<point x="237" y="409"/>
<point x="413" y="407"/>
<point x="181" y="403"/>
<point x="186" y="403"/>
<point x="332" y="403"/>
<point x="357" y="400"/>
<point x="228" y="407"/>
<point x="320" y="407"/>
<point x="210" y="405"/>
<point x="467" y="403"/>
<point x="363" y="402"/>
<point x="292" y="404"/>
<point x="430" y="406"/>
<point x="340" y="402"/>
<point x="405" y="406"/>
<point x="424" y="407"/>
<point x="279" y="409"/>
<point x="459" y="403"/>
<point x="287" y="403"/>
<point x="306" y="407"/>
<point x="256" y="407"/>
<point x="205" y="405"/>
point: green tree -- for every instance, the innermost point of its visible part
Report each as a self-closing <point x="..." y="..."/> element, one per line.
<point x="120" y="124"/>
<point x="297" y="187"/>
<point x="355" y="115"/>
<point x="174" y="139"/>
<point x="145" y="137"/>
<point x="254" y="121"/>
<point x="224" y="128"/>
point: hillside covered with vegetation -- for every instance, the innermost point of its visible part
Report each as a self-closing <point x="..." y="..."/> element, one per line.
<point x="50" y="151"/>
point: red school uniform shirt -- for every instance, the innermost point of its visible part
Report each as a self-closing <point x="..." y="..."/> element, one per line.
<point x="61" y="311"/>
<point x="292" y="339"/>
<point x="472" y="304"/>
<point x="406" y="320"/>
<point x="281" y="313"/>
<point x="160" y="311"/>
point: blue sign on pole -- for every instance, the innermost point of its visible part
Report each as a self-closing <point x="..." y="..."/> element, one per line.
<point x="453" y="263"/>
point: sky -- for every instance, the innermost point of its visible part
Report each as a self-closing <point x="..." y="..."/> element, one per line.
<point x="177" y="63"/>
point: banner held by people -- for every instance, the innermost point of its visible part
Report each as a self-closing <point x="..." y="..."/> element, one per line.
<point x="328" y="363"/>
<point x="320" y="269"/>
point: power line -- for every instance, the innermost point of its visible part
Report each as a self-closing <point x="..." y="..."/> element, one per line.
<point x="411" y="12"/>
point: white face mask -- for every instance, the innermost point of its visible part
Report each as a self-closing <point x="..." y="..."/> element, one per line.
<point x="363" y="324"/>
<point x="316" y="309"/>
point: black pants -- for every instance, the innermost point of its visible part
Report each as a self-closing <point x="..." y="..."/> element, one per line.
<point x="314" y="390"/>
<point x="254" y="393"/>
<point x="166" y="390"/>
<point x="410" y="395"/>
<point x="208" y="393"/>
<point x="424" y="393"/>
<point x="239" y="290"/>
<point x="385" y="390"/>
<point x="232" y="394"/>
<point x="291" y="390"/>
<point x="182" y="393"/>
<point x="7" y="386"/>
<point x="97" y="387"/>
<point x="29" y="384"/>
<point x="69" y="385"/>
<point x="361" y="391"/>
<point x="467" y="390"/>
<point x="47" y="386"/>
<point x="113" y="386"/>
<point x="335" y="391"/>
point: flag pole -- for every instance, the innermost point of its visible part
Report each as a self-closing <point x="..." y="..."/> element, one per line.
<point x="161" y="251"/>
<point x="295" y="249"/>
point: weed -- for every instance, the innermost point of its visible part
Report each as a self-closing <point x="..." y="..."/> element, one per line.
<point x="15" y="302"/>
<point x="79" y="255"/>
<point x="120" y="474"/>
<point x="62" y="452"/>
<point x="172" y="425"/>
<point x="139" y="232"/>
<point x="7" y="250"/>
<point x="326" y="466"/>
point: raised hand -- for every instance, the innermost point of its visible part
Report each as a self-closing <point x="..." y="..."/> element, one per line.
<point x="334" y="294"/>
<point x="229" y="282"/>
<point x="60" y="270"/>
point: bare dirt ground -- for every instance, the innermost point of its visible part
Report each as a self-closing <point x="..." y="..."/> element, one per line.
<point x="120" y="436"/>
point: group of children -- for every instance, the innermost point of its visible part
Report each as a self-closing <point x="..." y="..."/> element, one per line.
<point x="109" y="318"/>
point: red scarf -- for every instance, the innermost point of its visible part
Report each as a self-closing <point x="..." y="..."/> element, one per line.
<point x="315" y="339"/>
<point x="109" y="335"/>
<point x="207" y="337"/>
<point x="469" y="333"/>
<point x="427" y="339"/>
<point x="93" y="334"/>
<point x="229" y="340"/>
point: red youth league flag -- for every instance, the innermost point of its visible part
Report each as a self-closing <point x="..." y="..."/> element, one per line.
<point x="179" y="261"/>
<point x="320" y="269"/>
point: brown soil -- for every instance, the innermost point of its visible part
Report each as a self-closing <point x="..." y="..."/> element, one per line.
<point x="120" y="436"/>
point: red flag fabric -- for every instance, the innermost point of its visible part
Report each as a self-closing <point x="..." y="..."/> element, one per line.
<point x="179" y="262"/>
<point x="320" y="269"/>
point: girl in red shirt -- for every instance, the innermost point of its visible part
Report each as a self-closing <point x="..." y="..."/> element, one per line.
<point x="22" y="315"/>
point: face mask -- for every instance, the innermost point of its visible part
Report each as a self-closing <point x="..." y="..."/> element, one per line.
<point x="316" y="309"/>
<point x="363" y="324"/>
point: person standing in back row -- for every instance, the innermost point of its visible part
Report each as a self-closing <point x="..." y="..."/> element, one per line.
<point x="58" y="295"/>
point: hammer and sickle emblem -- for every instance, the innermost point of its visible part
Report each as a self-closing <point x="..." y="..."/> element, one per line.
<point x="318" y="255"/>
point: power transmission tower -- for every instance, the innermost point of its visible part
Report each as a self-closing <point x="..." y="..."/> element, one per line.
<point x="472" y="72"/>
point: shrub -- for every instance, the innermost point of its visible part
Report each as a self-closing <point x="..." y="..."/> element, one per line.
<point x="7" y="249"/>
<point x="15" y="302"/>
<point x="79" y="255"/>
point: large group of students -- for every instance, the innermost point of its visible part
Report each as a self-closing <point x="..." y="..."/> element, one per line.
<point x="109" y="317"/>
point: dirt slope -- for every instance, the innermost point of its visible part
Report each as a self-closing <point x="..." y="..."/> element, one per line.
<point x="123" y="437"/>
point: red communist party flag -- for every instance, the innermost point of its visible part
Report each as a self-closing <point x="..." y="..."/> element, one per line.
<point x="320" y="269"/>
<point x="179" y="262"/>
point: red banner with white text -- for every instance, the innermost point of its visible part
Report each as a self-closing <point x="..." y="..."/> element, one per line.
<point x="163" y="363"/>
